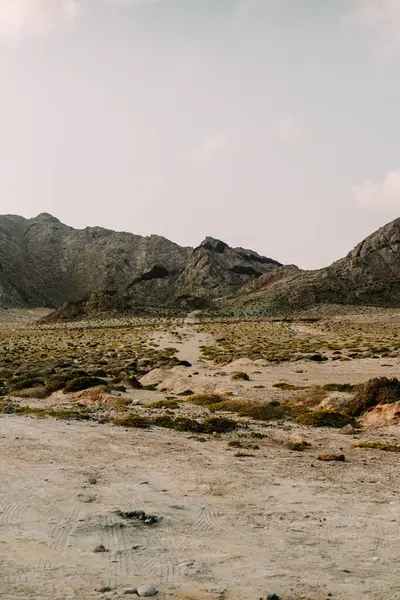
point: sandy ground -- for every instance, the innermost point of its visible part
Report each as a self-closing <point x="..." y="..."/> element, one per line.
<point x="233" y="527"/>
<point x="277" y="521"/>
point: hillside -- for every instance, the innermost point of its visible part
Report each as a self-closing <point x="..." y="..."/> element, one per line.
<point x="368" y="275"/>
<point x="46" y="263"/>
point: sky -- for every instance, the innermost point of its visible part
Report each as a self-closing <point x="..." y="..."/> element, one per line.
<point x="270" y="124"/>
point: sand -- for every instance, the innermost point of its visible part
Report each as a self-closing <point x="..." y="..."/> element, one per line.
<point x="233" y="527"/>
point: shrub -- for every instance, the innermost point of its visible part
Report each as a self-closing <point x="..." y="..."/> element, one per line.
<point x="380" y="390"/>
<point x="24" y="382"/>
<point x="317" y="357"/>
<point x="164" y="403"/>
<point x="163" y="421"/>
<point x="262" y="412"/>
<point x="378" y="446"/>
<point x="286" y="386"/>
<point x="240" y="375"/>
<point x="82" y="383"/>
<point x="219" y="425"/>
<point x="135" y="384"/>
<point x="65" y="414"/>
<point x="34" y="392"/>
<point x="60" y="380"/>
<point x="186" y="393"/>
<point x="132" y="420"/>
<point x="311" y="396"/>
<point x="323" y="418"/>
<point x="205" y="399"/>
<point x="185" y="424"/>
<point x="338" y="387"/>
<point x="298" y="446"/>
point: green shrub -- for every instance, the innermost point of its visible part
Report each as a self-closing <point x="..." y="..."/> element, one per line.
<point x="186" y="424"/>
<point x="219" y="425"/>
<point x="164" y="403"/>
<point x="338" y="387"/>
<point x="205" y="399"/>
<point x="323" y="418"/>
<point x="63" y="414"/>
<point x="163" y="421"/>
<point x="378" y="446"/>
<point x="262" y="412"/>
<point x="25" y="382"/>
<point x="380" y="390"/>
<point x="287" y="386"/>
<point x="132" y="420"/>
<point x="186" y="393"/>
<point x="59" y="380"/>
<point x="82" y="383"/>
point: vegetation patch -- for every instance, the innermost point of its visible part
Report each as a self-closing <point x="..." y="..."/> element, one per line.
<point x="324" y="418"/>
<point x="298" y="446"/>
<point x="205" y="399"/>
<point x="380" y="390"/>
<point x="132" y="420"/>
<point x="240" y="375"/>
<point x="82" y="383"/>
<point x="287" y="386"/>
<point x="378" y="446"/>
<point x="165" y="403"/>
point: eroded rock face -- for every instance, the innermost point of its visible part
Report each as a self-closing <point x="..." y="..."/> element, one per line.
<point x="46" y="263"/>
<point x="368" y="275"/>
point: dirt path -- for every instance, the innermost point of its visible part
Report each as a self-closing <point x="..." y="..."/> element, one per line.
<point x="277" y="521"/>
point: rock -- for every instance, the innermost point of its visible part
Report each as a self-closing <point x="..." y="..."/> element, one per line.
<point x="92" y="480"/>
<point x="100" y="548"/>
<point x="130" y="591"/>
<point x="103" y="589"/>
<point x="85" y="497"/>
<point x="332" y="457"/>
<point x="272" y="597"/>
<point x="348" y="430"/>
<point x="147" y="590"/>
<point x="8" y="410"/>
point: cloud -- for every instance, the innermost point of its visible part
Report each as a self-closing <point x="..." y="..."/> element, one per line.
<point x="287" y="131"/>
<point x="381" y="18"/>
<point x="18" y="17"/>
<point x="384" y="195"/>
<point x="211" y="148"/>
<point x="21" y="17"/>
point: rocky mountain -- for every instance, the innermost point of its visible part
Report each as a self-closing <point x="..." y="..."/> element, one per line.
<point x="46" y="263"/>
<point x="368" y="275"/>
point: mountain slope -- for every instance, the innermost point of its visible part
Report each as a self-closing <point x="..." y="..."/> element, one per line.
<point x="46" y="263"/>
<point x="368" y="275"/>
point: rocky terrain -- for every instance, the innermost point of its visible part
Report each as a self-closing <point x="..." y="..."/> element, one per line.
<point x="368" y="275"/>
<point x="44" y="263"/>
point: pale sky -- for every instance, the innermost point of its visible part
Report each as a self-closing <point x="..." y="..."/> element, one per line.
<point x="271" y="124"/>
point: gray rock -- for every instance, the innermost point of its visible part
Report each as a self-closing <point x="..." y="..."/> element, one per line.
<point x="100" y="548"/>
<point x="130" y="591"/>
<point x="348" y="430"/>
<point x="272" y="597"/>
<point x="82" y="497"/>
<point x="8" y="410"/>
<point x="147" y="590"/>
<point x="103" y="589"/>
<point x="92" y="480"/>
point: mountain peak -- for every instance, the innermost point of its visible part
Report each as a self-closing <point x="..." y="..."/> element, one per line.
<point x="214" y="245"/>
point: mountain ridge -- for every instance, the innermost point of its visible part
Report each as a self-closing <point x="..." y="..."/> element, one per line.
<point x="46" y="263"/>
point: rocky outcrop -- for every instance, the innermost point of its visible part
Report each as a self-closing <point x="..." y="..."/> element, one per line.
<point x="368" y="275"/>
<point x="46" y="263"/>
